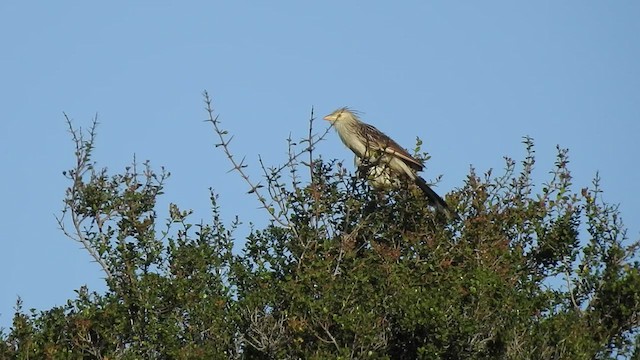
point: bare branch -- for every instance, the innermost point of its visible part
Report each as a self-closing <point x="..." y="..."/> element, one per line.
<point x="274" y="194"/>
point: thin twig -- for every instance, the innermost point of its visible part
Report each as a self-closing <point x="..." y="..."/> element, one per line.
<point x="309" y="139"/>
<point x="239" y="166"/>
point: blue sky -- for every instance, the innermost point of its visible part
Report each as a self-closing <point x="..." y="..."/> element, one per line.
<point x="469" y="78"/>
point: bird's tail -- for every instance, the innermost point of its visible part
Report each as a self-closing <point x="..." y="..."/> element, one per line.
<point x="435" y="199"/>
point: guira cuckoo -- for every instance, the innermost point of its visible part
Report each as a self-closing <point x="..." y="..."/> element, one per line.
<point x="384" y="161"/>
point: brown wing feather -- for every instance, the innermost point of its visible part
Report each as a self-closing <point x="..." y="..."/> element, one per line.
<point x="377" y="140"/>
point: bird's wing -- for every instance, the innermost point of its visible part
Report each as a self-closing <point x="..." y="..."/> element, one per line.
<point x="377" y="140"/>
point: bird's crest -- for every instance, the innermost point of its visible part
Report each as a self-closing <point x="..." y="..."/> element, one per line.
<point x="356" y="114"/>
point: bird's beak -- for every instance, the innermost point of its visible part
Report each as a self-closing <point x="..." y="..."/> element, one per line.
<point x="329" y="118"/>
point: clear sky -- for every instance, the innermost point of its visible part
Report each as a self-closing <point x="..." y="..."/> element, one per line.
<point x="470" y="78"/>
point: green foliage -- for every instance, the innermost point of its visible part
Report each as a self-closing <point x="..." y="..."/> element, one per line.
<point x="343" y="271"/>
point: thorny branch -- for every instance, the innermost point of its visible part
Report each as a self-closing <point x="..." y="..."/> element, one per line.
<point x="239" y="166"/>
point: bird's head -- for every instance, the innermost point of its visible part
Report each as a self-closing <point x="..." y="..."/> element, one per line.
<point x="340" y="115"/>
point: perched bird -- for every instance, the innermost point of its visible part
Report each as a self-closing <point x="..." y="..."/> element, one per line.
<point x="384" y="162"/>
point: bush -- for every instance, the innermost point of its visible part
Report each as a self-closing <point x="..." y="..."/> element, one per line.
<point x="343" y="271"/>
